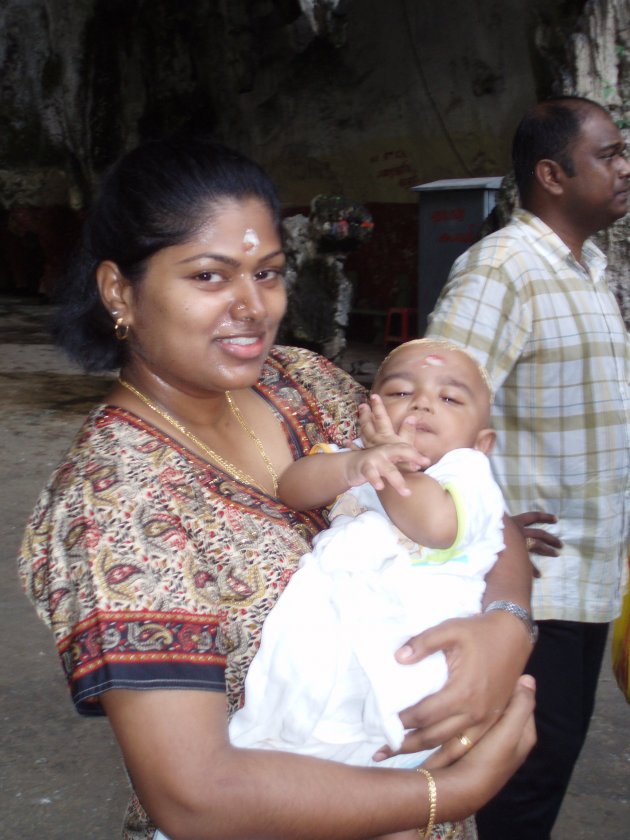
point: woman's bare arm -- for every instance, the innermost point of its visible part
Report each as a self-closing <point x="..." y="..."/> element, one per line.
<point x="195" y="785"/>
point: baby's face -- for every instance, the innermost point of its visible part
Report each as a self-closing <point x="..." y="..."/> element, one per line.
<point x="443" y="389"/>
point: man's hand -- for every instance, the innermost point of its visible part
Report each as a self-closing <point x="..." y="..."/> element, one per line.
<point x="538" y="540"/>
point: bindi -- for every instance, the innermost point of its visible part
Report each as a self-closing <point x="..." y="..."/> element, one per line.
<point x="432" y="361"/>
<point x="250" y="241"/>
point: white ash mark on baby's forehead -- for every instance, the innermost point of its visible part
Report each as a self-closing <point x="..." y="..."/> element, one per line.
<point x="433" y="360"/>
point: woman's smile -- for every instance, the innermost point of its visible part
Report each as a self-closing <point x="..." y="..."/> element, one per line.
<point x="244" y="346"/>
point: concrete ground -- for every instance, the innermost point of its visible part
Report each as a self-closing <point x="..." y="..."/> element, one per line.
<point x="61" y="777"/>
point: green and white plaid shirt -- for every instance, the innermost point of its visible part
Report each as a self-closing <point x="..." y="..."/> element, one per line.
<point x="549" y="331"/>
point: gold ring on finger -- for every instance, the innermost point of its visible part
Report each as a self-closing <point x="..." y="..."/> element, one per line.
<point x="465" y="741"/>
<point x="530" y="542"/>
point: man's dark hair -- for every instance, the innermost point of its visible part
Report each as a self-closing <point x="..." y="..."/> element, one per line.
<point x="548" y="131"/>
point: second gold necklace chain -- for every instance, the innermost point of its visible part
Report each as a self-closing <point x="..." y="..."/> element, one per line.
<point x="227" y="466"/>
<point x="250" y="431"/>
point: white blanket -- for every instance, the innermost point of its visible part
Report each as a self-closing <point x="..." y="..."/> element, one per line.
<point x="325" y="681"/>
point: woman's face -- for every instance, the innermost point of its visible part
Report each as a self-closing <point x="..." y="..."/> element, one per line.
<point x="206" y="312"/>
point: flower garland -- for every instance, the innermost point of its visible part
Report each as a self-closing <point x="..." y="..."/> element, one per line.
<point x="336" y="221"/>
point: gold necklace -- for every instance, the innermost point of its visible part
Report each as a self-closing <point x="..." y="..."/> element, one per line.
<point x="242" y="476"/>
<point x="237" y="413"/>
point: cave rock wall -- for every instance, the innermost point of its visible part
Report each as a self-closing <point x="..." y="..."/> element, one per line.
<point x="339" y="97"/>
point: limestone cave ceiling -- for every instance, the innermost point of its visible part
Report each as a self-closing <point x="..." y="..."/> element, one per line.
<point x="351" y="97"/>
<point x="84" y="79"/>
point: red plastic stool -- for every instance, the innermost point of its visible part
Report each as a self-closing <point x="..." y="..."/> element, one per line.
<point x="405" y="319"/>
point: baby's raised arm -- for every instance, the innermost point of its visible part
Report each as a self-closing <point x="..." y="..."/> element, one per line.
<point x="316" y="480"/>
<point x="427" y="513"/>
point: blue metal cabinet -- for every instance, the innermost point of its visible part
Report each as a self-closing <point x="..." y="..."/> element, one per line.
<point x="451" y="213"/>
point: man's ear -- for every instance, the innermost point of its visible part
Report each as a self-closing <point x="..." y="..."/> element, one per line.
<point x="550" y="176"/>
<point x="485" y="441"/>
<point x="115" y="291"/>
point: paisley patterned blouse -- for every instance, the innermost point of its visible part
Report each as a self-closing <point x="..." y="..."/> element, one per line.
<point x="155" y="568"/>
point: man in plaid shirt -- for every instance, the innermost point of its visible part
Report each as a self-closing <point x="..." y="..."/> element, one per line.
<point x="531" y="303"/>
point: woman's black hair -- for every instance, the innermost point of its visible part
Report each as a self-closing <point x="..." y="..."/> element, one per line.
<point x="548" y="131"/>
<point x="156" y="196"/>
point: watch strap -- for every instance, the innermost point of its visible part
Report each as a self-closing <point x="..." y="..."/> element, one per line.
<point x="519" y="612"/>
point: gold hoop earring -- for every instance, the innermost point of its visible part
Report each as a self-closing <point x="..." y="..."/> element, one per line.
<point x="121" y="330"/>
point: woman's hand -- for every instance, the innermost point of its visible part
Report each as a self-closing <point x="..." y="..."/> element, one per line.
<point x="538" y="540"/>
<point x="478" y="687"/>
<point x="488" y="764"/>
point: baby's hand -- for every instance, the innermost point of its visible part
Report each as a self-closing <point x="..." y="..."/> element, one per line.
<point x="381" y="464"/>
<point x="377" y="429"/>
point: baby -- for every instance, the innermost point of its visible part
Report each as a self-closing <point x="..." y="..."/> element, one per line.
<point x="416" y="524"/>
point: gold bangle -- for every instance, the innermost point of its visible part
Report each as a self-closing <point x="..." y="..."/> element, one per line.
<point x="425" y="833"/>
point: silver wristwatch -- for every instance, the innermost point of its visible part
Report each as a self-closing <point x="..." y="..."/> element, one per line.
<point x="519" y="612"/>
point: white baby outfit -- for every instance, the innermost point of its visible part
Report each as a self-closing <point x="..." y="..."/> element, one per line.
<point x="324" y="681"/>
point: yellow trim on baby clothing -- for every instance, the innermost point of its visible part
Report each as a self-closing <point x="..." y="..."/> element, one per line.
<point x="437" y="556"/>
